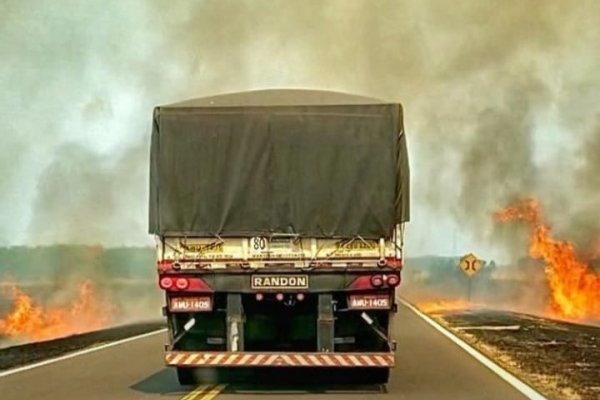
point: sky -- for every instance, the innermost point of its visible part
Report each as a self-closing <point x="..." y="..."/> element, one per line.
<point x="500" y="99"/>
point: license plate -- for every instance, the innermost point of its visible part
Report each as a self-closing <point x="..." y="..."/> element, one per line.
<point x="369" y="302"/>
<point x="190" y="304"/>
<point x="279" y="281"/>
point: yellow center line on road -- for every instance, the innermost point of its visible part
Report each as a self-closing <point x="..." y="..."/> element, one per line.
<point x="196" y="392"/>
<point x="204" y="392"/>
<point x="214" y="392"/>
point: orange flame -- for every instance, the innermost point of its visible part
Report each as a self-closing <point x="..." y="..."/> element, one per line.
<point x="574" y="287"/>
<point x="437" y="306"/>
<point x="30" y="321"/>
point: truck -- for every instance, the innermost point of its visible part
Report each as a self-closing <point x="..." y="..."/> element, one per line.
<point x="279" y="220"/>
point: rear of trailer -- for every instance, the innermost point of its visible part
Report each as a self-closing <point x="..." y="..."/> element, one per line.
<point x="279" y="217"/>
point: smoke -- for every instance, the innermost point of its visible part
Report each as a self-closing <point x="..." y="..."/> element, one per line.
<point x="500" y="102"/>
<point x="584" y="227"/>
<point x="83" y="197"/>
<point x="497" y="163"/>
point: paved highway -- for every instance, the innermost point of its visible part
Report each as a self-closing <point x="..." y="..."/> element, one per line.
<point x="429" y="366"/>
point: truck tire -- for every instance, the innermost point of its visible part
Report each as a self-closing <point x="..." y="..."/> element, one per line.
<point x="185" y="376"/>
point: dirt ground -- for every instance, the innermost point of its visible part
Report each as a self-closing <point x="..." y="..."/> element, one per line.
<point x="560" y="359"/>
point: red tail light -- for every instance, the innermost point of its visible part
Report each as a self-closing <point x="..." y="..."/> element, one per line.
<point x="393" y="280"/>
<point x="361" y="283"/>
<point x="377" y="281"/>
<point x="182" y="283"/>
<point x="165" y="283"/>
<point x="198" y="285"/>
<point x="370" y="282"/>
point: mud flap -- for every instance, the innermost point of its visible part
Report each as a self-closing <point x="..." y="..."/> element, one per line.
<point x="325" y="326"/>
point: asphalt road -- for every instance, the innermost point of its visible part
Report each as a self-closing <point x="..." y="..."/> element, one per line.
<point x="429" y="366"/>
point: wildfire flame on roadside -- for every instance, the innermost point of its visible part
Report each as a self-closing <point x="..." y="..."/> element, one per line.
<point x="30" y="321"/>
<point x="574" y="287"/>
<point x="432" y="307"/>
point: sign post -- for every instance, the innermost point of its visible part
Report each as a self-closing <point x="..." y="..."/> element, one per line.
<point x="470" y="265"/>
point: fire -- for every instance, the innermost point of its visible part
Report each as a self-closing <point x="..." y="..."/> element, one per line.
<point x="28" y="320"/>
<point x="573" y="285"/>
<point x="444" y="305"/>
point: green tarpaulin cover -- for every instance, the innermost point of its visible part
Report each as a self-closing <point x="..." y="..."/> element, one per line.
<point x="312" y="163"/>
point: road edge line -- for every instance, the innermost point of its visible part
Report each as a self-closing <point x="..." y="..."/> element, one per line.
<point x="78" y="353"/>
<point x="515" y="382"/>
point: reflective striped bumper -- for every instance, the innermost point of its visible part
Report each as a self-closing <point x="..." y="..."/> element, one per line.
<point x="228" y="359"/>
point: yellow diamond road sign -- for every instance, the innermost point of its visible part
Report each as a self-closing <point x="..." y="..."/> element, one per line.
<point x="470" y="264"/>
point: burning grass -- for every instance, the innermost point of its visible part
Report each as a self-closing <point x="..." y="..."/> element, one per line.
<point x="24" y="354"/>
<point x="437" y="306"/>
<point x="27" y="320"/>
<point x="574" y="287"/>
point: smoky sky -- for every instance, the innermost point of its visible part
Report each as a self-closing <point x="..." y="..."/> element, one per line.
<point x="500" y="102"/>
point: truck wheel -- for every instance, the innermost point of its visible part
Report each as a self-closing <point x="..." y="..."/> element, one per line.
<point x="185" y="376"/>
